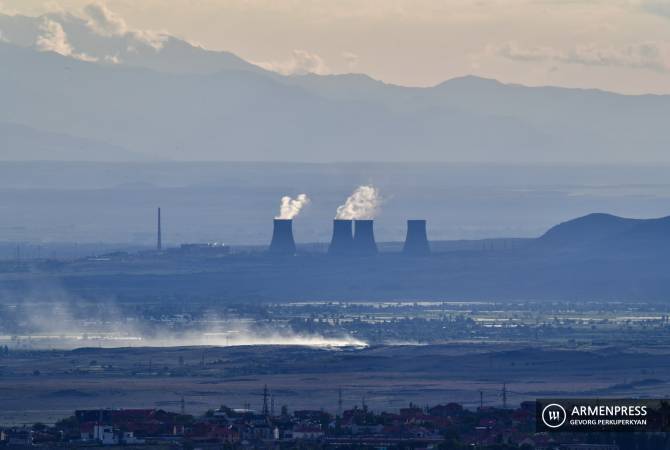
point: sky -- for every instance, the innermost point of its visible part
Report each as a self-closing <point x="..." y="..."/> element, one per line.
<point x="615" y="45"/>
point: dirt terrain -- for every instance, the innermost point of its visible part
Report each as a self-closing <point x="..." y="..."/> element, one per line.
<point x="47" y="385"/>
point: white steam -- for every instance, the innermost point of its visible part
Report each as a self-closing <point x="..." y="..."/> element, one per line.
<point x="291" y="207"/>
<point x="364" y="203"/>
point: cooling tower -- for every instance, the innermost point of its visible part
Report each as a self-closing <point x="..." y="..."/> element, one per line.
<point x="343" y="240"/>
<point x="416" y="242"/>
<point x="364" y="238"/>
<point x="282" y="238"/>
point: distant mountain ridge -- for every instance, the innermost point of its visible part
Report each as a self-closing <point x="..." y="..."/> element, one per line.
<point x="162" y="97"/>
<point x="589" y="228"/>
<point x="22" y="143"/>
<point x="157" y="51"/>
<point x="598" y="233"/>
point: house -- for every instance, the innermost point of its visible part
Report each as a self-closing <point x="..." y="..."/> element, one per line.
<point x="19" y="437"/>
<point x="307" y="432"/>
<point x="589" y="447"/>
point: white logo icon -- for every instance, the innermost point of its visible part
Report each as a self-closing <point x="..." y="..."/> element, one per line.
<point x="553" y="415"/>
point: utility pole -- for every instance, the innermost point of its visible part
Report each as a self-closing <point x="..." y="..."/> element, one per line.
<point x="182" y="406"/>
<point x="481" y="400"/>
<point x="504" y="395"/>
<point x="339" y="402"/>
<point x="265" y="400"/>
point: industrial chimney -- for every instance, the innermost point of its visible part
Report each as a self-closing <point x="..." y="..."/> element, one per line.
<point x="364" y="238"/>
<point x="159" y="234"/>
<point x="343" y="240"/>
<point x="416" y="242"/>
<point x="282" y="238"/>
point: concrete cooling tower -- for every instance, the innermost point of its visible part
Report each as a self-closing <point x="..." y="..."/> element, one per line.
<point x="416" y="242"/>
<point x="282" y="238"/>
<point x="364" y="238"/>
<point x="342" y="242"/>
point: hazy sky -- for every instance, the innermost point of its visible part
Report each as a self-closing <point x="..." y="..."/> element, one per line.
<point x="619" y="45"/>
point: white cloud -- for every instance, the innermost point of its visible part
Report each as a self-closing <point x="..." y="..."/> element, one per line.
<point x="112" y="59"/>
<point x="54" y="39"/>
<point x="301" y="62"/>
<point x="512" y="50"/>
<point x="153" y="39"/>
<point x="645" y="55"/>
<point x="105" y="22"/>
<point x="351" y="59"/>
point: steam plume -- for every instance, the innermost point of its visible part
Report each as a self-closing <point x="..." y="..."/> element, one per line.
<point x="291" y="207"/>
<point x="364" y="203"/>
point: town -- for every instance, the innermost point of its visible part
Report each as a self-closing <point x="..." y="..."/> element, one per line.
<point x="441" y="426"/>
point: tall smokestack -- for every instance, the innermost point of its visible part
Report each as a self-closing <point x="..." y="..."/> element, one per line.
<point x="416" y="242"/>
<point x="343" y="240"/>
<point x="159" y="236"/>
<point x="282" y="238"/>
<point x="364" y="238"/>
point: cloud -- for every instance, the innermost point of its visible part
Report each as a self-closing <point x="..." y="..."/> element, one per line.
<point x="54" y="39"/>
<point x="105" y="22"/>
<point x="112" y="59"/>
<point x="301" y="62"/>
<point x="657" y="7"/>
<point x="645" y="55"/>
<point x="351" y="59"/>
<point x="512" y="50"/>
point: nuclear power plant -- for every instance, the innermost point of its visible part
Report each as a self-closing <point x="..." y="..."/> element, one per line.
<point x="342" y="243"/>
<point x="416" y="242"/>
<point x="282" y="238"/>
<point x="351" y="238"/>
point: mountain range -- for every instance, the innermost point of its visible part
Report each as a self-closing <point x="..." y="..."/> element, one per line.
<point x="76" y="91"/>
